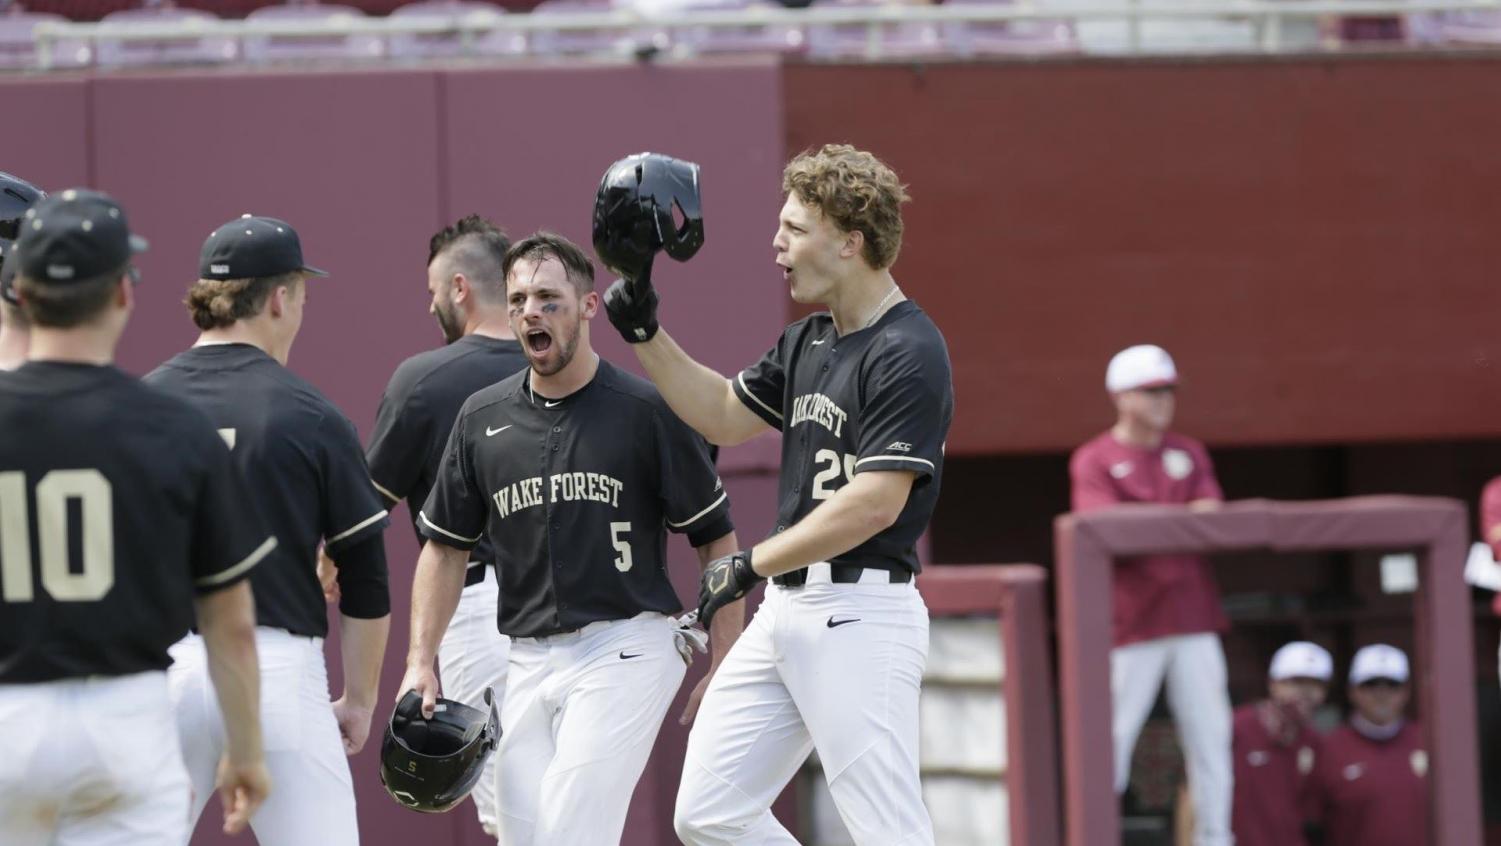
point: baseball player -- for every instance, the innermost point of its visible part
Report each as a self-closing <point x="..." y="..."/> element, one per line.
<point x="863" y="397"/>
<point x="16" y="196"/>
<point x="1371" y="780"/>
<point x="302" y="460"/>
<point x="1167" y="615"/>
<point x="1275" y="748"/>
<point x="575" y="470"/>
<point x="121" y="517"/>
<point x="417" y="413"/>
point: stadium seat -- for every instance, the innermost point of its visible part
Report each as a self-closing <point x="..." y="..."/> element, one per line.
<point x="695" y="40"/>
<point x="18" y="47"/>
<point x="452" y="44"/>
<point x="283" y="48"/>
<point x="849" y="41"/>
<point x="1477" y="26"/>
<point x="1008" y="37"/>
<point x="189" y="49"/>
<point x="581" y="41"/>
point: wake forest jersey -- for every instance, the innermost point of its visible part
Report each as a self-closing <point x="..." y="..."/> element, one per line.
<point x="302" y="459"/>
<point x="575" y="494"/>
<point x="417" y="413"/>
<point x="879" y="398"/>
<point x="117" y="505"/>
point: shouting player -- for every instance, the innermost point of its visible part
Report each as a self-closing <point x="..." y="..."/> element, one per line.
<point x="302" y="460"/>
<point x="121" y="516"/>
<point x="575" y="469"/>
<point x="416" y="414"/>
<point x="863" y="397"/>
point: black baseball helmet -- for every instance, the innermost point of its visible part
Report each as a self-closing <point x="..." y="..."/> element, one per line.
<point x="635" y="212"/>
<point x="16" y="196"/>
<point x="431" y="765"/>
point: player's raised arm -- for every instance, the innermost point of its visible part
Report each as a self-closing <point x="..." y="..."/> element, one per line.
<point x="633" y="219"/>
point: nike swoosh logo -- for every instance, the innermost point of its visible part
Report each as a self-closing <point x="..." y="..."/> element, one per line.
<point x="490" y="433"/>
<point x="816" y="343"/>
<point x="625" y="657"/>
<point x="833" y="623"/>
<point x="551" y="404"/>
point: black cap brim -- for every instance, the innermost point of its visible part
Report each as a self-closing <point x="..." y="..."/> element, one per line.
<point x="313" y="271"/>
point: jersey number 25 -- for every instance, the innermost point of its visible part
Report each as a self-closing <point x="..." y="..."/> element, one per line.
<point x="96" y="510"/>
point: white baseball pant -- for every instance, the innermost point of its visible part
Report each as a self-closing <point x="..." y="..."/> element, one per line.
<point x="312" y="795"/>
<point x="581" y="714"/>
<point x="1193" y="667"/>
<point x="473" y="656"/>
<point x="832" y="666"/>
<point x="91" y="762"/>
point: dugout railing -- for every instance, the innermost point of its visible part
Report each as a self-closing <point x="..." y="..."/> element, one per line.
<point x="1088" y="544"/>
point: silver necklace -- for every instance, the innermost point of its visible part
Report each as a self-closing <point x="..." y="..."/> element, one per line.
<point x="881" y="305"/>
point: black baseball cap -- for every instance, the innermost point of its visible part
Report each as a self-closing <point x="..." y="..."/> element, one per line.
<point x="251" y="247"/>
<point x="72" y="236"/>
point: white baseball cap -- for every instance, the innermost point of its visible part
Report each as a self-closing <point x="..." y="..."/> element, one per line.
<point x="1302" y="660"/>
<point x="1141" y="366"/>
<point x="1378" y="661"/>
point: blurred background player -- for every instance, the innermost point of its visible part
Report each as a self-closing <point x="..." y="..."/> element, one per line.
<point x="16" y="196"/>
<point x="1275" y="748"/>
<point x="1167" y="615"/>
<point x="302" y="460"/>
<point x="863" y="396"/>
<point x="576" y="469"/>
<point x="468" y="287"/>
<point x="1370" y="785"/>
<point x="165" y="530"/>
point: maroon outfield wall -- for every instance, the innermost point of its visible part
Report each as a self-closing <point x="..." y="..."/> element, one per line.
<point x="367" y="166"/>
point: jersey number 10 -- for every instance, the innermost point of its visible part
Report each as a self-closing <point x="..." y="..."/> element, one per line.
<point x="53" y="493"/>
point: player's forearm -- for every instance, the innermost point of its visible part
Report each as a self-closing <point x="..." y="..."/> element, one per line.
<point x="855" y="513"/>
<point x="435" y="596"/>
<point x="702" y="397"/>
<point x="363" y="642"/>
<point x="729" y="621"/>
<point x="226" y="620"/>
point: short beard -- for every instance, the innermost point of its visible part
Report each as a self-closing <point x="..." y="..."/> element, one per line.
<point x="449" y="322"/>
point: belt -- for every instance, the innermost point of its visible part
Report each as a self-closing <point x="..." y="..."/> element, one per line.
<point x="839" y="574"/>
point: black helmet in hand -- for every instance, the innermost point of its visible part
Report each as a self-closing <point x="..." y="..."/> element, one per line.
<point x="431" y="765"/>
<point x="637" y="208"/>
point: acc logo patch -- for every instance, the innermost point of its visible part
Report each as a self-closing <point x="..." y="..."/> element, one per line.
<point x="1419" y="761"/>
<point x="1177" y="463"/>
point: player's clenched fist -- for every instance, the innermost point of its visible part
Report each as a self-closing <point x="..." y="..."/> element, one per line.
<point x="632" y="307"/>
<point x="242" y="788"/>
<point x="724" y="581"/>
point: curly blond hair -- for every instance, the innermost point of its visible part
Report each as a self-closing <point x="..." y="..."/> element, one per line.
<point x="217" y="303"/>
<point x="855" y="190"/>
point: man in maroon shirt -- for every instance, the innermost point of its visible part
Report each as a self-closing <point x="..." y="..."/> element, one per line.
<point x="1167" y="614"/>
<point x="1370" y="783"/>
<point x="1275" y="748"/>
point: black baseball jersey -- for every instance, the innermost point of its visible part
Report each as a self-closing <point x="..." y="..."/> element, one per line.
<point x="880" y="398"/>
<point x="575" y="494"/>
<point x="302" y="458"/>
<point x="118" y="504"/>
<point x="417" y="413"/>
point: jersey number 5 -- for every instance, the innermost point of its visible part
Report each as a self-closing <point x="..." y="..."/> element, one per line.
<point x="833" y="471"/>
<point x="53" y="494"/>
<point x="622" y="546"/>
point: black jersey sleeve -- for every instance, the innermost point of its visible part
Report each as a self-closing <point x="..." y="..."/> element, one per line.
<point x="399" y="446"/>
<point x="762" y="385"/>
<point x="694" y="499"/>
<point x="904" y="412"/>
<point x="352" y="510"/>
<point x="455" y="511"/>
<point x="229" y="534"/>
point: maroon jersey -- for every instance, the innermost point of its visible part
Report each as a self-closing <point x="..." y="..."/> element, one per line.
<point x="1490" y="520"/>
<point x="1372" y="792"/>
<point x="1271" y="781"/>
<point x="1158" y="595"/>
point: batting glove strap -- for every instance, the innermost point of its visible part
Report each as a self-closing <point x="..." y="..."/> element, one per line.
<point x="725" y="581"/>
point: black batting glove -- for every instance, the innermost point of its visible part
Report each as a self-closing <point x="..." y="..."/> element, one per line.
<point x="632" y="307"/>
<point x="725" y="580"/>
